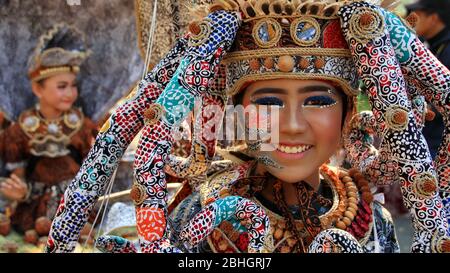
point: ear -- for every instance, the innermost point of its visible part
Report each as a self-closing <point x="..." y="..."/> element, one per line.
<point x="37" y="89"/>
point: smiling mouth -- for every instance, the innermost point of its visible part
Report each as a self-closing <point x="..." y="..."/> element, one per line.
<point x="295" y="149"/>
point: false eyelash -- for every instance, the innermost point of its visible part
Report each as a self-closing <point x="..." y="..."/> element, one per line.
<point x="320" y="101"/>
<point x="273" y="101"/>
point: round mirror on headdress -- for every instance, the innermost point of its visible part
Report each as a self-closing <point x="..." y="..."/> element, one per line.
<point x="305" y="31"/>
<point x="267" y="33"/>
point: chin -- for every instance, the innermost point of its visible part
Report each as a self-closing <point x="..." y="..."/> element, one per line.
<point x="65" y="107"/>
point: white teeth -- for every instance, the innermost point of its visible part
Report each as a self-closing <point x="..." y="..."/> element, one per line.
<point x="293" y="149"/>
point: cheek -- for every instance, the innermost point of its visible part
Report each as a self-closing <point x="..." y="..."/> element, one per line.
<point x="326" y="128"/>
<point x="74" y="93"/>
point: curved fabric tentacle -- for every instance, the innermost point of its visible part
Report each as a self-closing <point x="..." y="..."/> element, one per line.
<point x="378" y="167"/>
<point x="432" y="80"/>
<point x="364" y="27"/>
<point x="192" y="80"/>
<point x="335" y="240"/>
<point x="203" y="143"/>
<point x="114" y="244"/>
<point x="206" y="129"/>
<point x="226" y="209"/>
<point x="103" y="158"/>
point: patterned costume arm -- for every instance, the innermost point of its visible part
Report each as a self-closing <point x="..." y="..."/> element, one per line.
<point x="364" y="27"/>
<point x="379" y="168"/>
<point x="192" y="80"/>
<point x="430" y="79"/>
<point x="103" y="158"/>
<point x="203" y="143"/>
<point x="230" y="208"/>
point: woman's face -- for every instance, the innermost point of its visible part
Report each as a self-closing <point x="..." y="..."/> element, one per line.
<point x="58" y="92"/>
<point x="310" y="120"/>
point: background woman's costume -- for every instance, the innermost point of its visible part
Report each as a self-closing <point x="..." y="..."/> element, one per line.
<point x="343" y="42"/>
<point x="51" y="151"/>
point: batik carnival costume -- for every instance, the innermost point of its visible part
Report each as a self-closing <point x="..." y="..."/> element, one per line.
<point x="340" y="41"/>
<point x="49" y="151"/>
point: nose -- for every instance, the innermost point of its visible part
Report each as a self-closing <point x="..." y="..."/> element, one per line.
<point x="293" y="121"/>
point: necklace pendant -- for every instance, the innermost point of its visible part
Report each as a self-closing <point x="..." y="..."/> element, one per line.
<point x="53" y="128"/>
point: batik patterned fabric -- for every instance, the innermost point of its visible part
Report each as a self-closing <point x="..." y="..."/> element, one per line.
<point x="384" y="50"/>
<point x="230" y="208"/>
<point x="372" y="230"/>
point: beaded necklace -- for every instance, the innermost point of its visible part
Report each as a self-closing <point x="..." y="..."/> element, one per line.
<point x="349" y="210"/>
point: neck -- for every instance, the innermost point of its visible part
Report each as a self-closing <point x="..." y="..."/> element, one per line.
<point x="289" y="189"/>
<point x="49" y="113"/>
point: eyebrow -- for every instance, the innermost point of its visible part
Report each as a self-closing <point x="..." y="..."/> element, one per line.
<point x="306" y="89"/>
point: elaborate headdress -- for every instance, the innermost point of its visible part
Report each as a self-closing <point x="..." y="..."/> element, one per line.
<point x="61" y="49"/>
<point x="299" y="39"/>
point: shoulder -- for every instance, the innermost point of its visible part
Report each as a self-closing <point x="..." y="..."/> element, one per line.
<point x="29" y="121"/>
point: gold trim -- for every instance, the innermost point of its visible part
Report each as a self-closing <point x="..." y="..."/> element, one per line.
<point x="313" y="22"/>
<point x="63" y="139"/>
<point x="203" y="36"/>
<point x="76" y="124"/>
<point x="436" y="241"/>
<point x="365" y="33"/>
<point x="153" y="113"/>
<point x="418" y="184"/>
<point x="51" y="33"/>
<point x="274" y="41"/>
<point x="275" y="52"/>
<point x="390" y="118"/>
<point x="31" y="128"/>
<point x="296" y="76"/>
<point x="138" y="194"/>
<point x="48" y="72"/>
